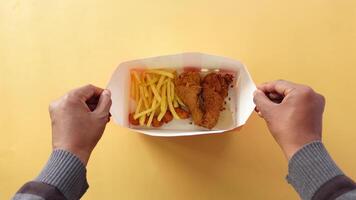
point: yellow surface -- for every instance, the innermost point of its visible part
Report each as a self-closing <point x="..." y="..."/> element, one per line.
<point x="49" y="47"/>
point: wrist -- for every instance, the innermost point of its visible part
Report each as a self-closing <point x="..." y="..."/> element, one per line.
<point x="82" y="155"/>
<point x="310" y="168"/>
<point x="66" y="172"/>
<point x="291" y="149"/>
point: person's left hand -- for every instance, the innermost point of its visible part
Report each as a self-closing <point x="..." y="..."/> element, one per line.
<point x="79" y="119"/>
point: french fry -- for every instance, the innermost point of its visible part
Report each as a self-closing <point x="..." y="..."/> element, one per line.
<point x="154" y="90"/>
<point x="142" y="95"/>
<point x="138" y="107"/>
<point x="173" y="94"/>
<point x="164" y="97"/>
<point x="137" y="77"/>
<point x="132" y="90"/>
<point x="142" y="120"/>
<point x="169" y="100"/>
<point x="175" y="103"/>
<point x="157" y="76"/>
<point x="160" y="82"/>
<point x="146" y="111"/>
<point x="161" y="72"/>
<point x="170" y="70"/>
<point x="180" y="102"/>
<point x="142" y="77"/>
<point x="153" y="81"/>
<point x="137" y="89"/>
<point x="137" y="93"/>
<point x="157" y="111"/>
<point x="163" y="103"/>
<point x="172" y="90"/>
<point x="151" y="114"/>
<point x="143" y="84"/>
<point x="149" y="122"/>
<point x="150" y="99"/>
<point x="145" y="91"/>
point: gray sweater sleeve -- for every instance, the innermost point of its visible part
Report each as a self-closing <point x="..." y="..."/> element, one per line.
<point x="314" y="175"/>
<point x="63" y="178"/>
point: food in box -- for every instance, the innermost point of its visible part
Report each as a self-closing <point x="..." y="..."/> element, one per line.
<point x="184" y="94"/>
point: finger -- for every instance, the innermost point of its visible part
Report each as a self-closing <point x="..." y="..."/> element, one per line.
<point x="275" y="97"/>
<point x="104" y="103"/>
<point x="256" y="109"/>
<point x="263" y="103"/>
<point x="280" y="87"/>
<point x="52" y="106"/>
<point x="92" y="102"/>
<point x="258" y="112"/>
<point x="87" y="91"/>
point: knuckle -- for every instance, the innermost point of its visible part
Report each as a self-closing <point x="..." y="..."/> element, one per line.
<point x="69" y="99"/>
<point x="306" y="91"/>
<point x="89" y="86"/>
<point x="51" y="107"/>
<point x="280" y="81"/>
<point x="309" y="90"/>
<point x="70" y="96"/>
<point x="321" y="98"/>
<point x="66" y="97"/>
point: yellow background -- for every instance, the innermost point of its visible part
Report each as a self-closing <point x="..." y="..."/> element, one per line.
<point x="49" y="47"/>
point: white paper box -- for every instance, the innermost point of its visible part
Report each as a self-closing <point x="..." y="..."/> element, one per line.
<point x="238" y="109"/>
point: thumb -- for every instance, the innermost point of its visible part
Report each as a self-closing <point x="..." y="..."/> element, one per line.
<point x="104" y="103"/>
<point x="263" y="103"/>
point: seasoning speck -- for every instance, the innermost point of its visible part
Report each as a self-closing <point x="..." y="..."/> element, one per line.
<point x="190" y="122"/>
<point x="231" y="86"/>
<point x="229" y="98"/>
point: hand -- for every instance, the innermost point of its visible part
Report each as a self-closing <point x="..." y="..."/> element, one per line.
<point x="79" y="119"/>
<point x="293" y="113"/>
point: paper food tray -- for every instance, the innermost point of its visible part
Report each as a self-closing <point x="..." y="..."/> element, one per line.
<point x="239" y="101"/>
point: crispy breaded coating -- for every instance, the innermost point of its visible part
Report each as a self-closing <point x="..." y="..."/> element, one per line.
<point x="215" y="90"/>
<point x="183" y="114"/>
<point x="188" y="89"/>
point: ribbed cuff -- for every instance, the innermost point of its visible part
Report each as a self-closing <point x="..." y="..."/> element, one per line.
<point x="310" y="168"/>
<point x="65" y="172"/>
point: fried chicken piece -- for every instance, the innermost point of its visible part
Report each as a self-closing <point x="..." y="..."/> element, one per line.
<point x="156" y="123"/>
<point x="215" y="90"/>
<point x="183" y="114"/>
<point x="188" y="88"/>
<point x="167" y="117"/>
<point x="132" y="120"/>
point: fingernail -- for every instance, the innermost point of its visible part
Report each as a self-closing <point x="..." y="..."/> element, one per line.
<point x="107" y="92"/>
<point x="257" y="110"/>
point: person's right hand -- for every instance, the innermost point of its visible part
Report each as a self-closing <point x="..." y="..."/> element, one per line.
<point x="79" y="119"/>
<point x="294" y="121"/>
